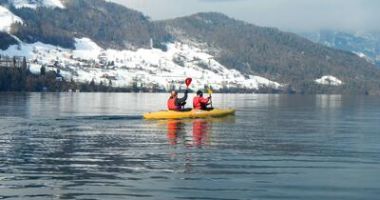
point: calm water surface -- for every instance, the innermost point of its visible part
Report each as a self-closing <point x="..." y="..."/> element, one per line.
<point x="97" y="146"/>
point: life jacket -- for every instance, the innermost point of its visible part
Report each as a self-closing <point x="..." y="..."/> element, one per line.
<point x="171" y="104"/>
<point x="199" y="103"/>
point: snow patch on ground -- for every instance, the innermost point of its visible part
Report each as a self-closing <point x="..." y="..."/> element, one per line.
<point x="7" y="18"/>
<point x="85" y="48"/>
<point x="364" y="56"/>
<point x="361" y="55"/>
<point x="33" y="4"/>
<point x="144" y="67"/>
<point x="329" y="80"/>
<point x="53" y="3"/>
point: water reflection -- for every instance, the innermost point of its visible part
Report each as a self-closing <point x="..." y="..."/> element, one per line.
<point x="276" y="147"/>
<point x="176" y="128"/>
<point x="200" y="132"/>
<point x="201" y="129"/>
<point x="329" y="101"/>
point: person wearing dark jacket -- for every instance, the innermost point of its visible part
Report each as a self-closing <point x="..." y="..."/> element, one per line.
<point x="175" y="103"/>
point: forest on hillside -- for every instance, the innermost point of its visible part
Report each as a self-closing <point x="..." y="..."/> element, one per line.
<point x="268" y="52"/>
<point x="14" y="79"/>
<point x="109" y="24"/>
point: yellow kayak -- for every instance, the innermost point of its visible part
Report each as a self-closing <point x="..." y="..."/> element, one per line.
<point x="168" y="114"/>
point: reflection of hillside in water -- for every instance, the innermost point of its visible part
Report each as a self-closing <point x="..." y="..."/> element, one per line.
<point x="329" y="101"/>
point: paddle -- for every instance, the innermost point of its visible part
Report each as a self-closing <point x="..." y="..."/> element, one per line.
<point x="188" y="82"/>
<point x="209" y="93"/>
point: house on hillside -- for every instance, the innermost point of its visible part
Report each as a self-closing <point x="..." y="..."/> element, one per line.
<point x="103" y="60"/>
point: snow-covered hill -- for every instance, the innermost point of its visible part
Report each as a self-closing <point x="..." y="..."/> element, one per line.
<point x="36" y="3"/>
<point x="7" y="18"/>
<point x="145" y="67"/>
<point x="243" y="53"/>
<point x="329" y="80"/>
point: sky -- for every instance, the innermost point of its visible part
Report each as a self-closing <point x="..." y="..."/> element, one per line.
<point x="289" y="15"/>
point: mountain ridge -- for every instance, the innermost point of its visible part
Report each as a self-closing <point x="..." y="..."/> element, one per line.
<point x="364" y="44"/>
<point x="281" y="56"/>
<point x="270" y="51"/>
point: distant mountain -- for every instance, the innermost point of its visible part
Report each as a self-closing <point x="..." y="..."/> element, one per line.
<point x="281" y="56"/>
<point x="365" y="45"/>
<point x="211" y="44"/>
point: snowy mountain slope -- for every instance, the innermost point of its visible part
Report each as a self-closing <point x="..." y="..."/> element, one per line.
<point x="284" y="57"/>
<point x="36" y="3"/>
<point x="146" y="67"/>
<point x="242" y="49"/>
<point x="7" y="18"/>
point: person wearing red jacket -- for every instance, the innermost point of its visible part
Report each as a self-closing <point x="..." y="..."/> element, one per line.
<point x="175" y="103"/>
<point x="199" y="102"/>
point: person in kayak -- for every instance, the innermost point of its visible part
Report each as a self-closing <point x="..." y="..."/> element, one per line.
<point x="175" y="103"/>
<point x="199" y="102"/>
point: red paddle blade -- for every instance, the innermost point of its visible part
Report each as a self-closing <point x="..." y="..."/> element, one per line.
<point x="188" y="81"/>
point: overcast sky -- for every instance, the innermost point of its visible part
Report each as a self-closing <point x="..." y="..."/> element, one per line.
<point x="291" y="15"/>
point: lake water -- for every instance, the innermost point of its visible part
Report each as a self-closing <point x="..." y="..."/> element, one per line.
<point x="97" y="146"/>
